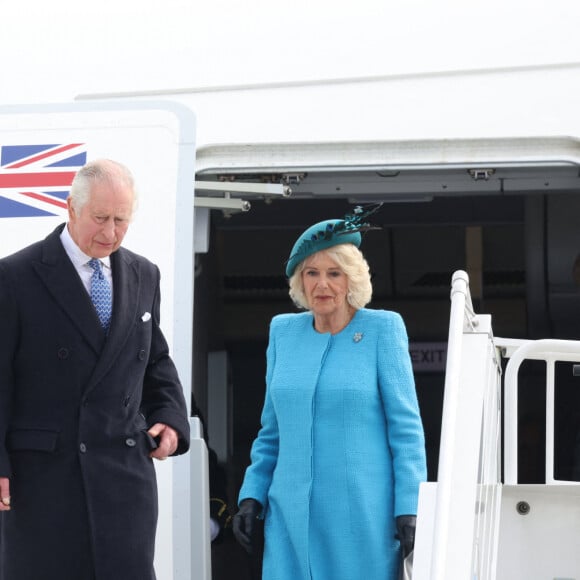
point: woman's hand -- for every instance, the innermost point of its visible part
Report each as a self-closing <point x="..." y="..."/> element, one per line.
<point x="244" y="523"/>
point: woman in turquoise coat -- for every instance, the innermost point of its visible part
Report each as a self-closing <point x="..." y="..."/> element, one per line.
<point x="336" y="466"/>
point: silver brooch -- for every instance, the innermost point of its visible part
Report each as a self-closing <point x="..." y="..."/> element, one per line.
<point x="357" y="336"/>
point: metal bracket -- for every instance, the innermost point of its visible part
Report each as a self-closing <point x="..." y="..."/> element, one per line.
<point x="230" y="204"/>
<point x="224" y="203"/>
<point x="479" y="174"/>
<point x="239" y="187"/>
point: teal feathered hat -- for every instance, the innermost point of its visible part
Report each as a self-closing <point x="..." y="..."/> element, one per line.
<point x="328" y="233"/>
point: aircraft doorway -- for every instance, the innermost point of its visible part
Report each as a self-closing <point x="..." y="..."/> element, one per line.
<point x="240" y="285"/>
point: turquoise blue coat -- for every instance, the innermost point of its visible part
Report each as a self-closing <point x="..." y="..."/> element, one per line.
<point x="341" y="449"/>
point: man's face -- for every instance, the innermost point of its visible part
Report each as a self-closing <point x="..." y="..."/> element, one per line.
<point x="101" y="224"/>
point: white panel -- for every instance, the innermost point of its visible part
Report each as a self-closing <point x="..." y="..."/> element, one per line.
<point x="543" y="543"/>
<point x="201" y="241"/>
<point x="157" y="142"/>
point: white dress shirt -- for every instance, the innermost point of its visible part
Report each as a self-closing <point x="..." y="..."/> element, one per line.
<point x="81" y="261"/>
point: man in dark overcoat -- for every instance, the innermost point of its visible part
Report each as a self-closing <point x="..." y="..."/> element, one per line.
<point x="86" y="402"/>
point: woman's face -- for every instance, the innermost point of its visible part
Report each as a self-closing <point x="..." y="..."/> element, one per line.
<point x="325" y="285"/>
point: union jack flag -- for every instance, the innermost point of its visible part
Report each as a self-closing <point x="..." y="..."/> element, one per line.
<point x="35" y="179"/>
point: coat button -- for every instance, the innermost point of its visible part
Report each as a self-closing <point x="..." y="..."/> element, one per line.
<point x="141" y="355"/>
<point x="83" y="448"/>
<point x="130" y="442"/>
<point x="62" y="353"/>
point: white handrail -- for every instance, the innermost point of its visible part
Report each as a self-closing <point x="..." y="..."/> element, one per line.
<point x="549" y="350"/>
<point x="460" y="301"/>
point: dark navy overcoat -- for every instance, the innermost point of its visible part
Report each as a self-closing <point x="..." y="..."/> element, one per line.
<point x="75" y="407"/>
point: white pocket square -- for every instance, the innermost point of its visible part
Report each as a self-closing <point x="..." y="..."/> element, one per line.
<point x="146" y="317"/>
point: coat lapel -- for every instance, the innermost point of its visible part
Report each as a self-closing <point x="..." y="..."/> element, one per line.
<point x="126" y="291"/>
<point x="61" y="279"/>
<point x="64" y="284"/>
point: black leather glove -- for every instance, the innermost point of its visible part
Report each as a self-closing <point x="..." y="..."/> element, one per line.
<point x="406" y="533"/>
<point x="244" y="523"/>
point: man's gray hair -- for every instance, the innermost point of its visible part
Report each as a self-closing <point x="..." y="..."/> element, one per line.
<point x="95" y="171"/>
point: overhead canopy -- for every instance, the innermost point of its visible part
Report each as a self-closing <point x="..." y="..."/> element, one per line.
<point x="399" y="171"/>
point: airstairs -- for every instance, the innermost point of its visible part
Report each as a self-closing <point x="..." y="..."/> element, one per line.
<point x="477" y="522"/>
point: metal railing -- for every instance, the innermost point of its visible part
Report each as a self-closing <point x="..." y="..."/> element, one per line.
<point x="466" y="513"/>
<point x="550" y="351"/>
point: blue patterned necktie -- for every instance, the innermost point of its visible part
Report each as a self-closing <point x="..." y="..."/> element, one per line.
<point x="101" y="294"/>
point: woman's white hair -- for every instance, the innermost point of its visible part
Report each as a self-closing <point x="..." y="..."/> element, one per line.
<point x="352" y="262"/>
<point x="95" y="171"/>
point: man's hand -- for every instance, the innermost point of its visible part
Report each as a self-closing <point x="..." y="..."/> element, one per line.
<point x="4" y="494"/>
<point x="168" y="440"/>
